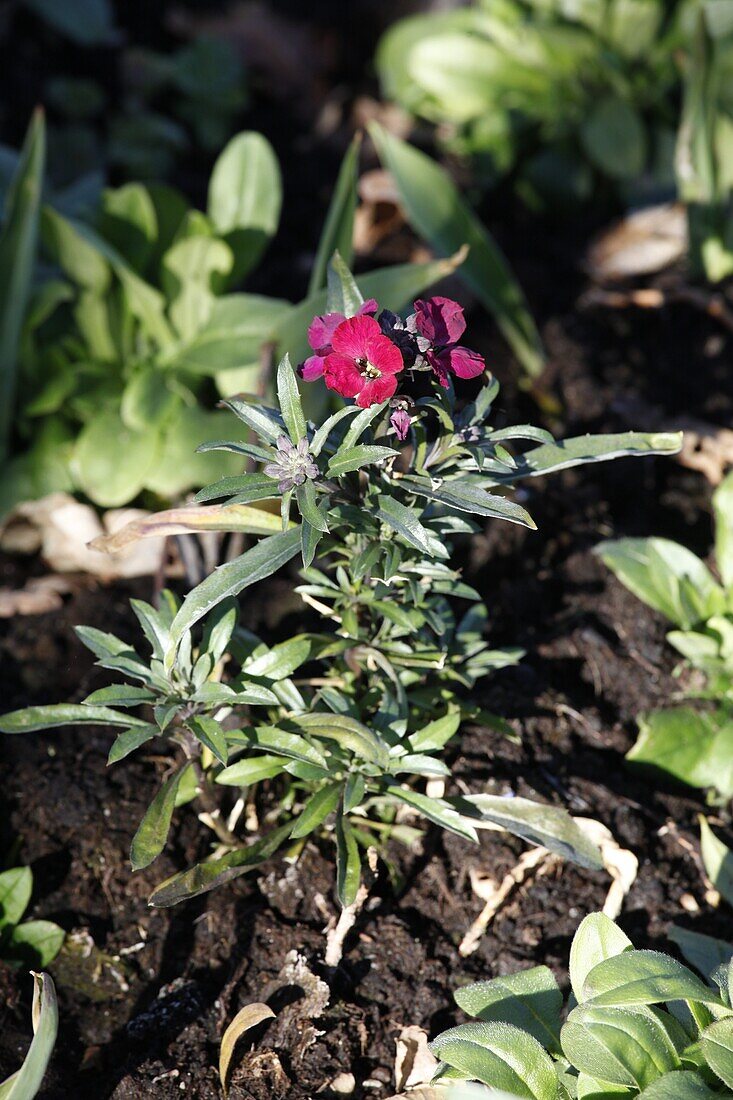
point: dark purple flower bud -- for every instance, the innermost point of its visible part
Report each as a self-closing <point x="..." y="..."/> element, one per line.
<point x="400" y="423"/>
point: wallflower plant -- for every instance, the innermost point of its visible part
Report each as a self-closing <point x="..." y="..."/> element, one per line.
<point x="334" y="732"/>
<point x="693" y="744"/>
<point x="637" y="1023"/>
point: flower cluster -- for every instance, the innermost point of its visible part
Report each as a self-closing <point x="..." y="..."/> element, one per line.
<point x="366" y="357"/>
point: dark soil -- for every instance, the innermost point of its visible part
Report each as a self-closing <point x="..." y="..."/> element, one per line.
<point x="145" y="994"/>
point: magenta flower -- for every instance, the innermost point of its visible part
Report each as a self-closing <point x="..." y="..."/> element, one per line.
<point x="320" y="335"/>
<point x="441" y="322"/>
<point x="400" y="423"/>
<point x="362" y="363"/>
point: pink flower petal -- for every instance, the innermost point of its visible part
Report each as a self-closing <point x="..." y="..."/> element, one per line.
<point x="321" y="331"/>
<point x="351" y="336"/>
<point x="464" y="363"/>
<point x="440" y="362"/>
<point x="376" y="390"/>
<point x="312" y="368"/>
<point x="368" y="308"/>
<point x="342" y="375"/>
<point x="440" y="320"/>
<point x="384" y="355"/>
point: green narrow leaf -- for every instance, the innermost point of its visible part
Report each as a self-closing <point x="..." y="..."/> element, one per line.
<point x="343" y="294"/>
<point x="18" y="243"/>
<point x="210" y="733"/>
<point x="129" y="740"/>
<point x="288" y="397"/>
<point x="27" y="1082"/>
<point x="317" y="809"/>
<point x="348" y="862"/>
<point x="405" y="523"/>
<point x="338" y="230"/>
<point x="436" y="810"/>
<point x="582" y="449"/>
<point x="230" y="579"/>
<point x="205" y="876"/>
<point x="152" y="834"/>
<point x="436" y="210"/>
<point x="63" y="714"/>
<point x="348" y="459"/>
<point x="309" y="507"/>
<point x="547" y="826"/>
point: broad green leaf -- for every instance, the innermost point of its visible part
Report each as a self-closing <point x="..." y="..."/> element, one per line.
<point x="129" y="222"/>
<point x="191" y="268"/>
<point x="179" y="465"/>
<point x="16" y="886"/>
<point x="27" y="1082"/>
<point x="230" y="338"/>
<point x="437" y="211"/>
<point x="547" y="826"/>
<point x="596" y="939"/>
<point x="501" y="1056"/>
<point x="77" y="257"/>
<point x="718" y="860"/>
<point x="205" y="876"/>
<point x="705" y="953"/>
<point x="678" y="1086"/>
<point x="148" y="402"/>
<point x="288" y="397"/>
<point x="622" y="1046"/>
<point x="469" y="498"/>
<point x="245" y="198"/>
<point x="97" y="465"/>
<point x="320" y="804"/>
<point x="211" y="734"/>
<point x="36" y="941"/>
<point x="152" y="834"/>
<point x="63" y="714"/>
<point x="717" y="1045"/>
<point x="693" y="746"/>
<point x="130" y="740"/>
<point x="436" y="810"/>
<point x="530" y="1000"/>
<point x="338" y="230"/>
<point x="348" y="459"/>
<point x="667" y="577"/>
<point x="348" y="862"/>
<point x="228" y="580"/>
<point x="723" y="507"/>
<point x="614" y="138"/>
<point x="643" y="978"/>
<point x="18" y="246"/>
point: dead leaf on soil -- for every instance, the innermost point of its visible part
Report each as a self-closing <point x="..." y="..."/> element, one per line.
<point x="536" y="861"/>
<point x="642" y="243"/>
<point x="180" y="521"/>
<point x="414" y="1064"/>
<point x="61" y="528"/>
<point x="37" y="596"/>
<point x="621" y="864"/>
<point x="247" y="1018"/>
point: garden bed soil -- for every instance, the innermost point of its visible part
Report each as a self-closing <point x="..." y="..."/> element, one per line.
<point x="145" y="994"/>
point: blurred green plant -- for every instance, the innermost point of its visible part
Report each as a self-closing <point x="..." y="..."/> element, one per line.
<point x="28" y="1080"/>
<point x="705" y="142"/>
<point x="638" y="1023"/>
<point x="692" y="744"/>
<point x="561" y="94"/>
<point x="33" y="942"/>
<point x="127" y="340"/>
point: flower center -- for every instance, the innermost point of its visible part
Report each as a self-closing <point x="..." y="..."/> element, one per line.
<point x="367" y="369"/>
